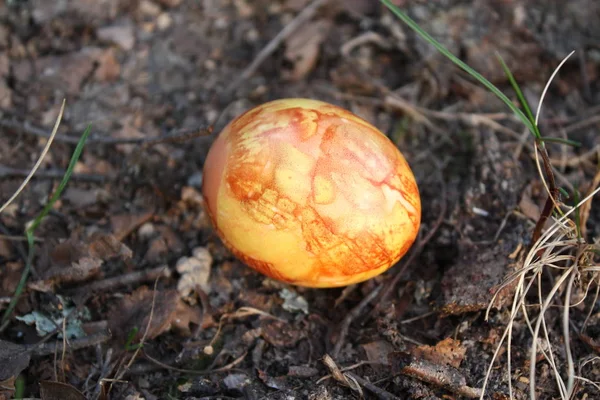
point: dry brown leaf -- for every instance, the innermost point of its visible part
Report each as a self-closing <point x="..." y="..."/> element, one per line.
<point x="302" y="48"/>
<point x="170" y="312"/>
<point x="71" y="261"/>
<point x="281" y="334"/>
<point x="108" y="246"/>
<point x="5" y="248"/>
<point x="10" y="274"/>
<point x="378" y="352"/>
<point x="170" y="3"/>
<point x="74" y="261"/>
<point x="124" y="224"/>
<point x="448" y="351"/>
<point x="528" y="206"/>
<point x="108" y="68"/>
<point x="67" y="72"/>
<point x="82" y="198"/>
<point x="59" y="391"/>
<point x="442" y="375"/>
<point x="7" y="388"/>
<point x="361" y="7"/>
<point x="14" y="358"/>
<point x="167" y="242"/>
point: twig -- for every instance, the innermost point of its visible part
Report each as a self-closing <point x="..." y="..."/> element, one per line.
<point x="350" y="368"/>
<point x="580" y="159"/>
<point x="377" y="391"/>
<point x="353" y="381"/>
<point x="45" y="349"/>
<point x="8" y="172"/>
<point x="341" y="377"/>
<point x="173" y="136"/>
<point x="354" y="313"/>
<point x="595" y="119"/>
<point x="124" y="280"/>
<point x="224" y="368"/>
<point x="306" y="14"/>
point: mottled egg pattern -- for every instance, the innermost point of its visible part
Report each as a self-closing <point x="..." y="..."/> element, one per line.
<point x="308" y="193"/>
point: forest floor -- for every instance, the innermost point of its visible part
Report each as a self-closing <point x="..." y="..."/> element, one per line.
<point x="127" y="254"/>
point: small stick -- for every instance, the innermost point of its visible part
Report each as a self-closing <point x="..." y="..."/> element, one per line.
<point x="353" y="314"/>
<point x="380" y="393"/>
<point x="306" y="14"/>
<point x="8" y="172"/>
<point x="173" y="136"/>
<point x="123" y="280"/>
<point x="44" y="349"/>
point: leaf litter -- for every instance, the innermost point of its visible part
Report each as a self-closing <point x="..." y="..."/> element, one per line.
<point x="138" y="70"/>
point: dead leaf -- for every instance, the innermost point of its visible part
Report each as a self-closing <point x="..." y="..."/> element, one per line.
<point x="10" y="274"/>
<point x="108" y="68"/>
<point x="166" y="243"/>
<point x="590" y="342"/>
<point x="448" y="351"/>
<point x="274" y="382"/>
<point x="71" y="261"/>
<point x="5" y="248"/>
<point x="170" y="3"/>
<point x="82" y="198"/>
<point x="470" y="283"/>
<point x="442" y="375"/>
<point x="59" y="391"/>
<point x="6" y="95"/>
<point x="74" y="261"/>
<point x="360" y="7"/>
<point x="302" y="48"/>
<point x="124" y="224"/>
<point x="170" y="312"/>
<point x="195" y="272"/>
<point x="281" y="334"/>
<point x="129" y="130"/>
<point x="378" y="352"/>
<point x="528" y="206"/>
<point x="14" y="358"/>
<point x="7" y="388"/>
<point x="67" y="72"/>
<point x="88" y="10"/>
<point x="4" y="63"/>
<point x="106" y="246"/>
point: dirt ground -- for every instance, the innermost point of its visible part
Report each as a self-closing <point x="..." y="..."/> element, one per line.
<point x="127" y="255"/>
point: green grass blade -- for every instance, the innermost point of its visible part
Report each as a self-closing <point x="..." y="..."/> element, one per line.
<point x="520" y="96"/>
<point x="29" y="232"/>
<point x="568" y="142"/>
<point x="63" y="182"/>
<point x="414" y="26"/>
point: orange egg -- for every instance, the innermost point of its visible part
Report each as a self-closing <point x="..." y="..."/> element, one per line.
<point x="308" y="193"/>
